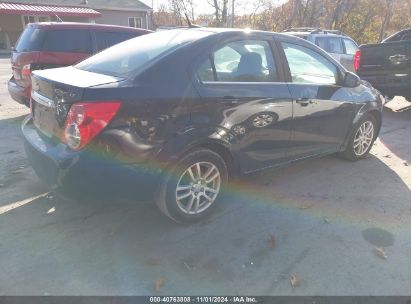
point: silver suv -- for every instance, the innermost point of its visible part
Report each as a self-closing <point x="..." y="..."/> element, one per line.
<point x="334" y="42"/>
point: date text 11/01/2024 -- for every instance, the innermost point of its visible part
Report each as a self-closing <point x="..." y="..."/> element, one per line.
<point x="235" y="299"/>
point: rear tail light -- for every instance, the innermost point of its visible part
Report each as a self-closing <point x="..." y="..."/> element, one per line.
<point x="86" y="120"/>
<point x="357" y="60"/>
<point x="26" y="70"/>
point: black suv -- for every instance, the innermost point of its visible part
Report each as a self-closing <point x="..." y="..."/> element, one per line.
<point x="196" y="107"/>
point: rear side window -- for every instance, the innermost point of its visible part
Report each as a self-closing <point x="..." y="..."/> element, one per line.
<point x="350" y="47"/>
<point x="335" y="45"/>
<point x="30" y="40"/>
<point x="406" y="37"/>
<point x="69" y="41"/>
<point x="240" y="61"/>
<point x="322" y="43"/>
<point x="107" y="39"/>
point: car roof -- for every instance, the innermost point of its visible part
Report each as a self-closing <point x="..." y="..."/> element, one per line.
<point x="93" y="26"/>
<point x="315" y="34"/>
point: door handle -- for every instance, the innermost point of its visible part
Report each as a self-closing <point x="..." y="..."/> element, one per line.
<point x="304" y="101"/>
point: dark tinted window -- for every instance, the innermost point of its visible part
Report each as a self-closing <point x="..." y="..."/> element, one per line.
<point x="30" y="40"/>
<point x="322" y="43"/>
<point x="70" y="41"/>
<point x="335" y="45"/>
<point x="406" y="37"/>
<point x="107" y="39"/>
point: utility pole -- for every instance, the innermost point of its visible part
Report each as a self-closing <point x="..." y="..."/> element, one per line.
<point x="232" y="13"/>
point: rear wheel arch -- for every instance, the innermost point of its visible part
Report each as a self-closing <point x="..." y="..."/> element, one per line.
<point x="223" y="151"/>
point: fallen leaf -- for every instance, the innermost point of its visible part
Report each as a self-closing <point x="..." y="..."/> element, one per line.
<point x="387" y="156"/>
<point x="381" y="253"/>
<point x="51" y="210"/>
<point x="294" y="280"/>
<point x="305" y="206"/>
<point x="159" y="283"/>
<point x="406" y="164"/>
<point x="271" y="241"/>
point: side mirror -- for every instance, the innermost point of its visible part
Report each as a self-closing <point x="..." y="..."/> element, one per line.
<point x="351" y="80"/>
<point x="13" y="48"/>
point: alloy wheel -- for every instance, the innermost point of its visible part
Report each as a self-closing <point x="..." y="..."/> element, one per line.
<point x="363" y="138"/>
<point x="198" y="187"/>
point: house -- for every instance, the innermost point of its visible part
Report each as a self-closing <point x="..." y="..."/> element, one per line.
<point x="16" y="14"/>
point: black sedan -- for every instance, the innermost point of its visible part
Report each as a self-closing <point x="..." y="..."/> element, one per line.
<point x="196" y="107"/>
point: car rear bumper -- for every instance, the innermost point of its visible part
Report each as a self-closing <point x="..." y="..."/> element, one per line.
<point x="57" y="166"/>
<point x="19" y="93"/>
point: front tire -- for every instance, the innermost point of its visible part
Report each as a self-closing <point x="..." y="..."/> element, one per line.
<point x="362" y="138"/>
<point x="190" y="189"/>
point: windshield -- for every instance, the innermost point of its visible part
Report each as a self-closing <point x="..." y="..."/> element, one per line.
<point x="124" y="58"/>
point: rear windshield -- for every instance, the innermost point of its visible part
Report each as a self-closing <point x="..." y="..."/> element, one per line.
<point x="123" y="59"/>
<point x="30" y="40"/>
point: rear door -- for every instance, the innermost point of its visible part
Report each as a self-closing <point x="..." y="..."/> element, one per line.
<point x="245" y="100"/>
<point x="322" y="109"/>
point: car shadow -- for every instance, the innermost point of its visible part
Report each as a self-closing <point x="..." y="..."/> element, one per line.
<point x="262" y="228"/>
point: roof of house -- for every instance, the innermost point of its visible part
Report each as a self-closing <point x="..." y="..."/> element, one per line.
<point x="122" y="5"/>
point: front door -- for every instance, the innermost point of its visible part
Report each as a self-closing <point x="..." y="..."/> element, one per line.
<point x="321" y="110"/>
<point x="244" y="97"/>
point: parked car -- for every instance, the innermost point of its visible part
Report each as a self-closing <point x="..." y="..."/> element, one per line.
<point x="197" y="107"/>
<point x="56" y="44"/>
<point x="387" y="65"/>
<point x="336" y="43"/>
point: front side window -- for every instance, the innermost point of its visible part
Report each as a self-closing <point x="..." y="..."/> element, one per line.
<point x="240" y="61"/>
<point x="308" y="66"/>
<point x="69" y="41"/>
<point x="350" y="47"/>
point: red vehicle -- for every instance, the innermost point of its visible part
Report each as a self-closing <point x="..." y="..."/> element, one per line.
<point x="51" y="44"/>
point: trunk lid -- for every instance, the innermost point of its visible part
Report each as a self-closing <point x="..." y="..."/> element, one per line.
<point x="53" y="93"/>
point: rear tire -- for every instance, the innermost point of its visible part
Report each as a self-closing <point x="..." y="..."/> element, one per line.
<point x="190" y="189"/>
<point x="362" y="138"/>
